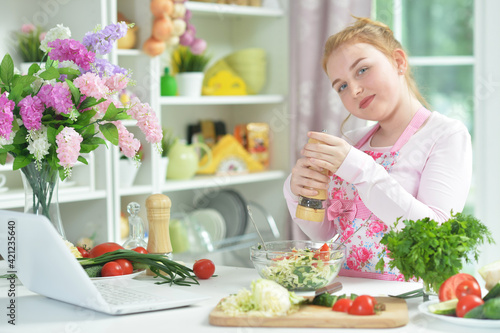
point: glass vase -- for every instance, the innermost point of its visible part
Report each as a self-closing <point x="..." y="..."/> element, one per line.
<point x="40" y="192"/>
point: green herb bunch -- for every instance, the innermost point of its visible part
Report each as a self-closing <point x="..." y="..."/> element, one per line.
<point x="185" y="61"/>
<point x="431" y="251"/>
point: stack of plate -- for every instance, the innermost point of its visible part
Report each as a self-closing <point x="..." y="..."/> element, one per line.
<point x="212" y="221"/>
<point x="231" y="206"/>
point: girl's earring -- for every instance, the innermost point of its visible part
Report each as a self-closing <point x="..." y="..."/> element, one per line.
<point x="401" y="71"/>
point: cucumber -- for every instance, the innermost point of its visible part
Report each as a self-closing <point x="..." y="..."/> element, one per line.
<point x="447" y="308"/>
<point x="493" y="293"/>
<point x="491" y="308"/>
<point x="476" y="313"/>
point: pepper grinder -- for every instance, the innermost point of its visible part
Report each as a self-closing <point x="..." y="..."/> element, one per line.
<point x="158" y="208"/>
<point x="312" y="208"/>
<point x="136" y="237"/>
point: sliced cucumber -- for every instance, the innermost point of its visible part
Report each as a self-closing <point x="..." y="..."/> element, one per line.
<point x="491" y="309"/>
<point x="493" y="293"/>
<point x="447" y="308"/>
<point x="476" y="313"/>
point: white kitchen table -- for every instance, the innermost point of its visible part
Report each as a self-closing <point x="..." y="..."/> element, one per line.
<point x="35" y="313"/>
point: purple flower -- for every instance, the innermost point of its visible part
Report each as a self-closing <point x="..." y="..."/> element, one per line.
<point x="72" y="50"/>
<point x="101" y="42"/>
<point x="6" y="115"/>
<point x="104" y="68"/>
<point x="31" y="111"/>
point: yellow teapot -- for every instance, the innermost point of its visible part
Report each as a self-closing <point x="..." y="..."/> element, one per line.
<point x="183" y="159"/>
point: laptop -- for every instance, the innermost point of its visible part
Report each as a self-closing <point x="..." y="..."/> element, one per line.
<point x="36" y="253"/>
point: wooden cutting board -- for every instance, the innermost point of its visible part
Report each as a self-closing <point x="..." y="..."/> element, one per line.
<point x="395" y="315"/>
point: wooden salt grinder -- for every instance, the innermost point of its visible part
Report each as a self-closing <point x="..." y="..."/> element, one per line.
<point x="158" y="212"/>
<point x="315" y="214"/>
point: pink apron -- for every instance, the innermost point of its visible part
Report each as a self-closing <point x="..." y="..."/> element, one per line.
<point x="348" y="212"/>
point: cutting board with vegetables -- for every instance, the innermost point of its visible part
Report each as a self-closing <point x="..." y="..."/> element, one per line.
<point x="395" y="315"/>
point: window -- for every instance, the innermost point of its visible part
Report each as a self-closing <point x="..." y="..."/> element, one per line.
<point x="439" y="38"/>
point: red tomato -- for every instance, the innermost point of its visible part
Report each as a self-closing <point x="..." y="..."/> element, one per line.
<point x="342" y="305"/>
<point x="126" y="266"/>
<point x="140" y="249"/>
<point x="204" y="268"/>
<point x="111" y="268"/>
<point x="448" y="289"/>
<point x="83" y="252"/>
<point x="100" y="249"/>
<point x="468" y="288"/>
<point x="363" y="305"/>
<point x="467" y="303"/>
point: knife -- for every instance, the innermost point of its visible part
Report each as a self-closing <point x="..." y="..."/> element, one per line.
<point x="331" y="288"/>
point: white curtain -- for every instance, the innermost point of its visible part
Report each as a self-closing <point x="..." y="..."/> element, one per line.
<point x="313" y="103"/>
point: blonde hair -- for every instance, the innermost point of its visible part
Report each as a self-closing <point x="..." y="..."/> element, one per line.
<point x="377" y="34"/>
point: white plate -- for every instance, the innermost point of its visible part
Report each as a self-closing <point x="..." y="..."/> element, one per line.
<point x="119" y="277"/>
<point x="212" y="221"/>
<point x="456" y="320"/>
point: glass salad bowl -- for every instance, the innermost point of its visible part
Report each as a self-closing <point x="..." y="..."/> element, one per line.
<point x="298" y="265"/>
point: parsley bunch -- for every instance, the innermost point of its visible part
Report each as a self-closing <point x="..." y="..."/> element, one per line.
<point x="431" y="251"/>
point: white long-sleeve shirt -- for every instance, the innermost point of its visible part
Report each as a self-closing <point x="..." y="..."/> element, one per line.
<point x="431" y="178"/>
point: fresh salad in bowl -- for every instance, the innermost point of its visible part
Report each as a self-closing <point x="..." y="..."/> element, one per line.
<point x="298" y="265"/>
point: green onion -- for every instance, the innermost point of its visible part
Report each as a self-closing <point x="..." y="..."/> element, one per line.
<point x="169" y="270"/>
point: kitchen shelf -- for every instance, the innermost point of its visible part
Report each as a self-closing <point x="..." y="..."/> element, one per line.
<point x="222" y="100"/>
<point x="136" y="190"/>
<point x="129" y="52"/>
<point x="15" y="197"/>
<point x="218" y="181"/>
<point x="212" y="9"/>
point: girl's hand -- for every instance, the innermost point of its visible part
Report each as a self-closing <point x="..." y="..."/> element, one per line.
<point x="307" y="177"/>
<point x="329" y="154"/>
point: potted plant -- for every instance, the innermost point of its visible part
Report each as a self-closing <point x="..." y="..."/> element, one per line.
<point x="29" y="39"/>
<point x="189" y="67"/>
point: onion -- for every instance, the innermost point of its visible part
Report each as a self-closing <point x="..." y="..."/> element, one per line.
<point x="161" y="8"/>
<point x="153" y="47"/>
<point x="162" y="28"/>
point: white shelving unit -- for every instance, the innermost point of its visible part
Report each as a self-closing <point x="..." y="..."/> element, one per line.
<point x="226" y="28"/>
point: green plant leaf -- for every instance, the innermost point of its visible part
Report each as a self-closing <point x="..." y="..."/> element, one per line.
<point x="51" y="135"/>
<point x="111" y="113"/>
<point x="85" y="148"/>
<point x="33" y="69"/>
<point x="7" y="69"/>
<point x="110" y="132"/>
<point x="16" y="93"/>
<point x="20" y="137"/>
<point x="85" y="117"/>
<point x="69" y="71"/>
<point x="94" y="141"/>
<point x="20" y="162"/>
<point x="50" y="73"/>
<point x="83" y="160"/>
<point x="75" y="93"/>
<point x="90" y="102"/>
<point x="3" y="158"/>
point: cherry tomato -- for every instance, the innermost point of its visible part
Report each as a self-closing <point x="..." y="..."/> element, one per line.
<point x="111" y="268"/>
<point x="100" y="249"/>
<point x="342" y="305"/>
<point x="363" y="305"/>
<point x="448" y="289"/>
<point x="204" y="268"/>
<point x="467" y="303"/>
<point x="468" y="288"/>
<point x="140" y="249"/>
<point x="126" y="266"/>
<point x="83" y="252"/>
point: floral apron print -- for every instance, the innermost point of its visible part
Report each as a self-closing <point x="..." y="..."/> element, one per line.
<point x="348" y="212"/>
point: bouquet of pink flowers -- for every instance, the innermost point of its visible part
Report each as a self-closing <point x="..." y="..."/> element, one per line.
<point x="29" y="39"/>
<point x="69" y="108"/>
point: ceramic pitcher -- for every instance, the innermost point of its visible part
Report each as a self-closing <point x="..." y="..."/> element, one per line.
<point x="184" y="159"/>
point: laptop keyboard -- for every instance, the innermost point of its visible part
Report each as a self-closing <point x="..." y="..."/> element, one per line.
<point x="118" y="295"/>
